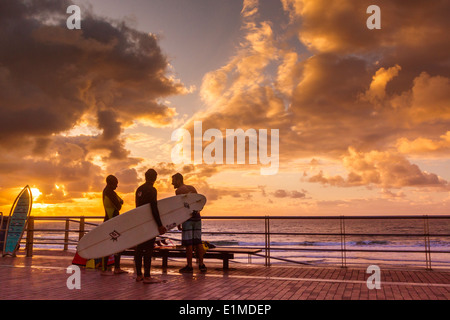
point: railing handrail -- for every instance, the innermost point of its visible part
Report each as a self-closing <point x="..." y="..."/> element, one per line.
<point x="331" y="217"/>
<point x="66" y="217"/>
<point x="435" y="216"/>
<point x="334" y="234"/>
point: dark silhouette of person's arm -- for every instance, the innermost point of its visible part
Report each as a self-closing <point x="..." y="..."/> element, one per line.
<point x="155" y="211"/>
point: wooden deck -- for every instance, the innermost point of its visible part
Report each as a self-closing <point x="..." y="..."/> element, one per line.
<point x="44" y="277"/>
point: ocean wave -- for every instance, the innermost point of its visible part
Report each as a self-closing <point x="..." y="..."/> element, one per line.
<point x="224" y="242"/>
<point x="320" y="243"/>
<point x="370" y="242"/>
<point x="357" y="243"/>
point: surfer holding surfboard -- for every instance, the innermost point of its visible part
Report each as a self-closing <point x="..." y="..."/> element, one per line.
<point x="147" y="193"/>
<point x="191" y="229"/>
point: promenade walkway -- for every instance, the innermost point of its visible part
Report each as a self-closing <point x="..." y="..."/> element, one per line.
<point x="44" y="277"/>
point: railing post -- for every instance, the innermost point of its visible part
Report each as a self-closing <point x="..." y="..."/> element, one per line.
<point x="30" y="236"/>
<point x="426" y="231"/>
<point x="268" y="234"/>
<point x="267" y="241"/>
<point x="81" y="234"/>
<point x="343" y="244"/>
<point x="66" y="235"/>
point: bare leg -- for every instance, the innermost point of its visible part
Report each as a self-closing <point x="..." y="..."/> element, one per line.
<point x="200" y="253"/>
<point x="189" y="256"/>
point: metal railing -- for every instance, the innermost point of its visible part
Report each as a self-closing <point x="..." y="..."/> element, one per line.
<point x="343" y="235"/>
<point x="66" y="241"/>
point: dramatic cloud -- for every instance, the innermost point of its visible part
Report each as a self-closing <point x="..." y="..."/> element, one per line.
<point x="383" y="169"/>
<point x="365" y="98"/>
<point x="55" y="81"/>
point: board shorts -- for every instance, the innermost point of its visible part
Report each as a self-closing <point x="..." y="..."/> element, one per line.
<point x="191" y="233"/>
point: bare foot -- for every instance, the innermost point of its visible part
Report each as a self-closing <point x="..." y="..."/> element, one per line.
<point x="151" y="280"/>
<point x="119" y="271"/>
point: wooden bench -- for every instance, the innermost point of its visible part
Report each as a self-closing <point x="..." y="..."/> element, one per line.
<point x="222" y="253"/>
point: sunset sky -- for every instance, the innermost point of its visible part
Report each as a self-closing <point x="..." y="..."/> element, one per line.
<point x="363" y="115"/>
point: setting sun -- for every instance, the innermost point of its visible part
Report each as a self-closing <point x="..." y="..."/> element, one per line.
<point x="35" y="193"/>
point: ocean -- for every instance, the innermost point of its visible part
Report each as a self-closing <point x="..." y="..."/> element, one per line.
<point x="308" y="241"/>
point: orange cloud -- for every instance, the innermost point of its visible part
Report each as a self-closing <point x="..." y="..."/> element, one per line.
<point x="426" y="102"/>
<point x="377" y="89"/>
<point x="382" y="169"/>
<point x="424" y="146"/>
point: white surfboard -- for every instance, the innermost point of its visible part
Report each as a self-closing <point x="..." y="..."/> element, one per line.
<point x="137" y="226"/>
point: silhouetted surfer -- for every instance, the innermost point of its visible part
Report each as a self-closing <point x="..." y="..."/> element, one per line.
<point x="147" y="194"/>
<point x="112" y="204"/>
<point x="191" y="229"/>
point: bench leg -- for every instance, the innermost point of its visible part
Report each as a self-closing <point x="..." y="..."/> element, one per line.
<point x="164" y="261"/>
<point x="225" y="264"/>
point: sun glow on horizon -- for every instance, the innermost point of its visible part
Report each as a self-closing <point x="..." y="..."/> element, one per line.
<point x="36" y="193"/>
